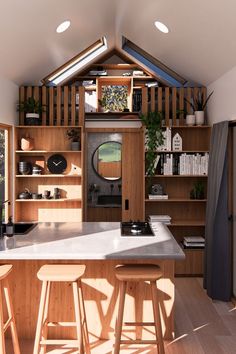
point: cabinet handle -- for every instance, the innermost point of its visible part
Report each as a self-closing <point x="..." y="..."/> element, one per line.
<point x="126" y="204"/>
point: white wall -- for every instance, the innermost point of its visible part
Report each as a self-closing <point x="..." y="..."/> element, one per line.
<point x="222" y="104"/>
<point x="8" y="98"/>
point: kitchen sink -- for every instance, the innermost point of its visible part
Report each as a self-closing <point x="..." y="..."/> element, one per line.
<point x="21" y="228"/>
<point x="109" y="200"/>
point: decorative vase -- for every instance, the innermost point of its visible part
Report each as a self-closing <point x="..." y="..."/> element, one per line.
<point x="32" y="119"/>
<point x="27" y="143"/>
<point x="190" y="119"/>
<point x="75" y="146"/>
<point x="199" y="116"/>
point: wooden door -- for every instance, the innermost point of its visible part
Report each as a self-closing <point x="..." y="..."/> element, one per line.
<point x="133" y="175"/>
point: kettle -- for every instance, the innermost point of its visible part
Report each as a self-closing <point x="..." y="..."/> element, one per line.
<point x="25" y="195"/>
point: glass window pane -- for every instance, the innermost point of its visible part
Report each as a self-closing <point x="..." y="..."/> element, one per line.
<point x="3" y="171"/>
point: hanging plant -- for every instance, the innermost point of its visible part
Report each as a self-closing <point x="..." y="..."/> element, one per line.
<point x="154" y="138"/>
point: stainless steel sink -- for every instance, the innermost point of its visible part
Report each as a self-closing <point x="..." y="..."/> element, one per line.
<point x="21" y="228"/>
<point x="109" y="200"/>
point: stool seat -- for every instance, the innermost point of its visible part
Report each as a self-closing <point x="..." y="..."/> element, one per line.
<point x="5" y="270"/>
<point x="138" y="272"/>
<point x="61" y="272"/>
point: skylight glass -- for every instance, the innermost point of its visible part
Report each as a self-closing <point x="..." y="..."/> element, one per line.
<point x="162" y="72"/>
<point x="71" y="67"/>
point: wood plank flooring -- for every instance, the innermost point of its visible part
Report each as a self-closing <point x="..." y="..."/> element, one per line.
<point x="202" y="327"/>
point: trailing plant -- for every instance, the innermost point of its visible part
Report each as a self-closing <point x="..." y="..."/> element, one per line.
<point x="154" y="138"/>
<point x="199" y="104"/>
<point x="30" y="106"/>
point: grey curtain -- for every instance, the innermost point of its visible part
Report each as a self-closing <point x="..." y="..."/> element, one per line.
<point x="217" y="272"/>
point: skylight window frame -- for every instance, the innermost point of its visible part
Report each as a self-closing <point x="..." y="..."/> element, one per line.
<point x="67" y="70"/>
<point x="163" y="73"/>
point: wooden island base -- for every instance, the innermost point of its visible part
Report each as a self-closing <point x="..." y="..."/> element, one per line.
<point x="100" y="294"/>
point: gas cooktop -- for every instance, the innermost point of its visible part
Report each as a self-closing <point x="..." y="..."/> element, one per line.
<point x="136" y="228"/>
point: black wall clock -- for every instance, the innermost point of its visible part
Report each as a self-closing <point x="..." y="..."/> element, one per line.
<point x="56" y="164"/>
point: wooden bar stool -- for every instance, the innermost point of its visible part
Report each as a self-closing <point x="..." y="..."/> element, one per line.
<point x="137" y="273"/>
<point x="61" y="273"/>
<point x="4" y="288"/>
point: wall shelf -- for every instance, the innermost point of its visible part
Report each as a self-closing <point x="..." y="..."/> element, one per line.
<point x="33" y="152"/>
<point x="48" y="176"/>
<point x="176" y="200"/>
<point x="48" y="200"/>
<point x="176" y="176"/>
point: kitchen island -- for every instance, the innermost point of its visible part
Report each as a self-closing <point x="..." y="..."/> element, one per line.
<point x="100" y="247"/>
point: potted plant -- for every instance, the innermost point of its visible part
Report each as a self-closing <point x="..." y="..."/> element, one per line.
<point x="74" y="135"/>
<point x="198" y="191"/>
<point x="33" y="110"/>
<point x="154" y="138"/>
<point x="199" y="106"/>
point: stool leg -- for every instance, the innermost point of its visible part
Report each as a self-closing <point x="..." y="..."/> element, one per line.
<point x="2" y="338"/>
<point x="84" y="326"/>
<point x="78" y="317"/>
<point x="10" y="312"/>
<point x="157" y="318"/>
<point x="40" y="318"/>
<point x="119" y="322"/>
<point x="45" y="316"/>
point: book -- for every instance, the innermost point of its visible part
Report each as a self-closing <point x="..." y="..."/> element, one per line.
<point x="194" y="239"/>
<point x="157" y="197"/>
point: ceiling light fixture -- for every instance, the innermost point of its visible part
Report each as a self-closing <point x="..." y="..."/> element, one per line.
<point x="63" y="26"/>
<point x="161" y="27"/>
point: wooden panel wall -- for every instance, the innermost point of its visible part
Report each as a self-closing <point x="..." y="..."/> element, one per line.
<point x="64" y="105"/>
<point x="170" y="101"/>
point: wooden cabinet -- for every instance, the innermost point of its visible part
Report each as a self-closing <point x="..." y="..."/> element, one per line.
<point x="187" y="215"/>
<point x="49" y="140"/>
<point x="132" y="176"/>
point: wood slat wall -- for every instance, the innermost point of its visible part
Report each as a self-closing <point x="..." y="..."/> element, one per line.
<point x="169" y="101"/>
<point x="64" y="104"/>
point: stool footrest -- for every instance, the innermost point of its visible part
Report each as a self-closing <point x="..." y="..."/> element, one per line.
<point x="7" y="324"/>
<point x="138" y="341"/>
<point x="139" y="324"/>
<point x="60" y="342"/>
<point x="60" y="324"/>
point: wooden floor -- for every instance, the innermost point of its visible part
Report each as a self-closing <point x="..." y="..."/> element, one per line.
<point x="202" y="326"/>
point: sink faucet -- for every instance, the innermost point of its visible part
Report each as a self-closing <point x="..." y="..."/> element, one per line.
<point x="1" y="208"/>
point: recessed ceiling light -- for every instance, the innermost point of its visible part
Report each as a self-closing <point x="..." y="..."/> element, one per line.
<point x="63" y="26"/>
<point x="161" y="27"/>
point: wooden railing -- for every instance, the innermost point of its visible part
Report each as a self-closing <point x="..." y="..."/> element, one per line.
<point x="170" y="101"/>
<point x="64" y="105"/>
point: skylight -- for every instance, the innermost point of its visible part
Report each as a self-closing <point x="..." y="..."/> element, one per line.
<point x="160" y="70"/>
<point x="72" y="66"/>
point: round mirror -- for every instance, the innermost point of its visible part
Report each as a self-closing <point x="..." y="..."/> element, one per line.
<point x="106" y="160"/>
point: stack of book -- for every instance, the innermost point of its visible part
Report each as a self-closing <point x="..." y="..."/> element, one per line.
<point x="194" y="242"/>
<point x="165" y="219"/>
<point x="157" y="197"/>
<point x="98" y="72"/>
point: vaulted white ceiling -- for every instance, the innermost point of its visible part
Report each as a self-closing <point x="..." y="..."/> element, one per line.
<point x="201" y="45"/>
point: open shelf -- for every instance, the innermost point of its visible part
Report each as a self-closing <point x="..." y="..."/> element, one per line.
<point x="186" y="223"/>
<point x="48" y="176"/>
<point x="48" y="200"/>
<point x="176" y="200"/>
<point x="32" y="152"/>
<point x="180" y="152"/>
<point x="176" y="176"/>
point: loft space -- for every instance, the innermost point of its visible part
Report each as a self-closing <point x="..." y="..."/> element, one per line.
<point x="97" y="60"/>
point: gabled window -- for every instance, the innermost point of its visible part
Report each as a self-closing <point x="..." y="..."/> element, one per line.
<point x="70" y="68"/>
<point x="161" y="71"/>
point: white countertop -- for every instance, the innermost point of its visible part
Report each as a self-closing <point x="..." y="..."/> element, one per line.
<point x="87" y="241"/>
